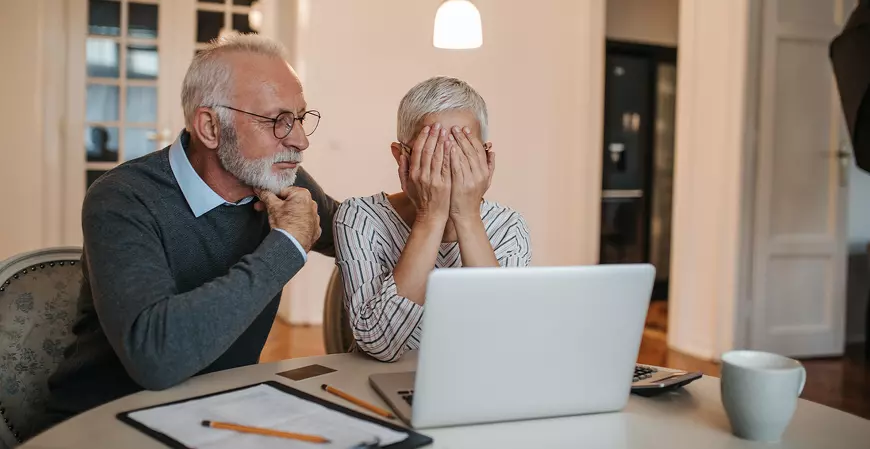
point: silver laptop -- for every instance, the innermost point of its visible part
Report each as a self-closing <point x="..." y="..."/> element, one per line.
<point x="503" y="344"/>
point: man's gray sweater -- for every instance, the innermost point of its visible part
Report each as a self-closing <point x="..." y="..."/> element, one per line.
<point x="166" y="295"/>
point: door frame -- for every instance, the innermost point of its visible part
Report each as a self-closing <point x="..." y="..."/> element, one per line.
<point x="53" y="20"/>
<point x="73" y="185"/>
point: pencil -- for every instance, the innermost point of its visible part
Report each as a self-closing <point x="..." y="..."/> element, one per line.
<point x="266" y="432"/>
<point x="358" y="402"/>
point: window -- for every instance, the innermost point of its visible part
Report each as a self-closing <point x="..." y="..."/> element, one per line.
<point x="122" y="65"/>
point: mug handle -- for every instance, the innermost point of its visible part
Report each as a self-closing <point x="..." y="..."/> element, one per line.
<point x="803" y="380"/>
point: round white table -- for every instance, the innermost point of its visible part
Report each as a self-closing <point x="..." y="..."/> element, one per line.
<point x="691" y="418"/>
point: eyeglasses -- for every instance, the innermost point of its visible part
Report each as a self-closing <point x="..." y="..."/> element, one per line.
<point x="282" y="125"/>
<point x="407" y="148"/>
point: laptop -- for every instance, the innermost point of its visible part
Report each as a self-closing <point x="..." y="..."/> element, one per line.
<point x="502" y="344"/>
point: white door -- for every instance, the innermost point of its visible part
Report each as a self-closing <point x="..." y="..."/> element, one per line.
<point x="126" y="61"/>
<point x="798" y="297"/>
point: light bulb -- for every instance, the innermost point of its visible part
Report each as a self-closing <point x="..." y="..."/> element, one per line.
<point x="457" y="26"/>
<point x="255" y="17"/>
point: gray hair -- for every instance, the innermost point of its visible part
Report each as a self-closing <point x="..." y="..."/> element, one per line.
<point x="435" y="95"/>
<point x="209" y="77"/>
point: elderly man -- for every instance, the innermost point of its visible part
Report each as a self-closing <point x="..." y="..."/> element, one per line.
<point x="183" y="268"/>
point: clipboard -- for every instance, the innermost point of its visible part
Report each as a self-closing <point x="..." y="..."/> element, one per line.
<point x="414" y="440"/>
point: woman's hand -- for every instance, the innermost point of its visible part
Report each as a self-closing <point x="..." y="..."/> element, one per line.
<point x="472" y="167"/>
<point x="425" y="177"/>
<point x="425" y="174"/>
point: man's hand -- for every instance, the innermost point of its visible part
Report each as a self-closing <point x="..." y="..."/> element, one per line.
<point x="425" y="174"/>
<point x="294" y="211"/>
<point x="472" y="169"/>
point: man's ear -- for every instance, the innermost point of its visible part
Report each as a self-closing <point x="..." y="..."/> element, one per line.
<point x="396" y="149"/>
<point x="206" y="127"/>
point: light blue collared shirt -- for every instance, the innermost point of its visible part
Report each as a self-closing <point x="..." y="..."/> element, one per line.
<point x="200" y="197"/>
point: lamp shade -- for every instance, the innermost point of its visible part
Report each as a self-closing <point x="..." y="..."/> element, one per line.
<point x="457" y="26"/>
<point x="255" y="16"/>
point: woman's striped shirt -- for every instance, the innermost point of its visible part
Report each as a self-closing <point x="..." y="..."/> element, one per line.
<point x="369" y="238"/>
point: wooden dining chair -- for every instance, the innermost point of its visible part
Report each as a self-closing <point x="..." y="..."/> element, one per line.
<point x="337" y="336"/>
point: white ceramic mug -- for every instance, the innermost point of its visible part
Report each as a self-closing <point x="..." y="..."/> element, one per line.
<point x="760" y="392"/>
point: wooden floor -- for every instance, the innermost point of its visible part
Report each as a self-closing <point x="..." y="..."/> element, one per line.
<point x="842" y="383"/>
<point x="290" y="342"/>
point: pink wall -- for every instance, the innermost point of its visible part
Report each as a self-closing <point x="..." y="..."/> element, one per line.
<point x="21" y="115"/>
<point x="654" y="22"/>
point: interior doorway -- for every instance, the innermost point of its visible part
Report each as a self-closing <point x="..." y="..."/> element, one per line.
<point x="638" y="159"/>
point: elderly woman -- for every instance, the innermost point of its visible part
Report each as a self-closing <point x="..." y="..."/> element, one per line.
<point x="387" y="244"/>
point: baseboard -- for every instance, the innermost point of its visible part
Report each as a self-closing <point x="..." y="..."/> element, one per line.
<point x="655" y="334"/>
<point x="697" y="352"/>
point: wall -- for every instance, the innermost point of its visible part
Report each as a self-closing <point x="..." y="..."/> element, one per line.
<point x="31" y="36"/>
<point x="543" y="87"/>
<point x="712" y="167"/>
<point x="20" y="168"/>
<point x="646" y="21"/>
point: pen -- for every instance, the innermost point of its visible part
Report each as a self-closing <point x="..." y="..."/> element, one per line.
<point x="357" y="401"/>
<point x="266" y="432"/>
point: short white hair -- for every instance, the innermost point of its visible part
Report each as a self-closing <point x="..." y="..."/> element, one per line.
<point x="435" y="95"/>
<point x="208" y="81"/>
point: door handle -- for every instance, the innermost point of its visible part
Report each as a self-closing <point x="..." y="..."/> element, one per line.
<point x="163" y="138"/>
<point x="613" y="194"/>
<point x="844" y="156"/>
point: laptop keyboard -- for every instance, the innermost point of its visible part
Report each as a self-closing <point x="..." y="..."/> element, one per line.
<point x="641" y="372"/>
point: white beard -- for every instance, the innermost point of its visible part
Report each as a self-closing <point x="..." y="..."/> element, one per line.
<point x="256" y="173"/>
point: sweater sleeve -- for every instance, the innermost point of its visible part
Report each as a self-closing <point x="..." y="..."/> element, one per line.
<point x="161" y="335"/>
<point x="384" y="323"/>
<point x="326" y="209"/>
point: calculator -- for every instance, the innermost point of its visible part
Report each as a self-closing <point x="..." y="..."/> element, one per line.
<point x="652" y="380"/>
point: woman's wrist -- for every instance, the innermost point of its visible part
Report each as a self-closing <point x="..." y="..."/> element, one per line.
<point x="469" y="227"/>
<point x="465" y="220"/>
<point x="430" y="222"/>
<point x="430" y="217"/>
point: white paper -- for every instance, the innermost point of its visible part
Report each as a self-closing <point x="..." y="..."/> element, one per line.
<point x="261" y="406"/>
